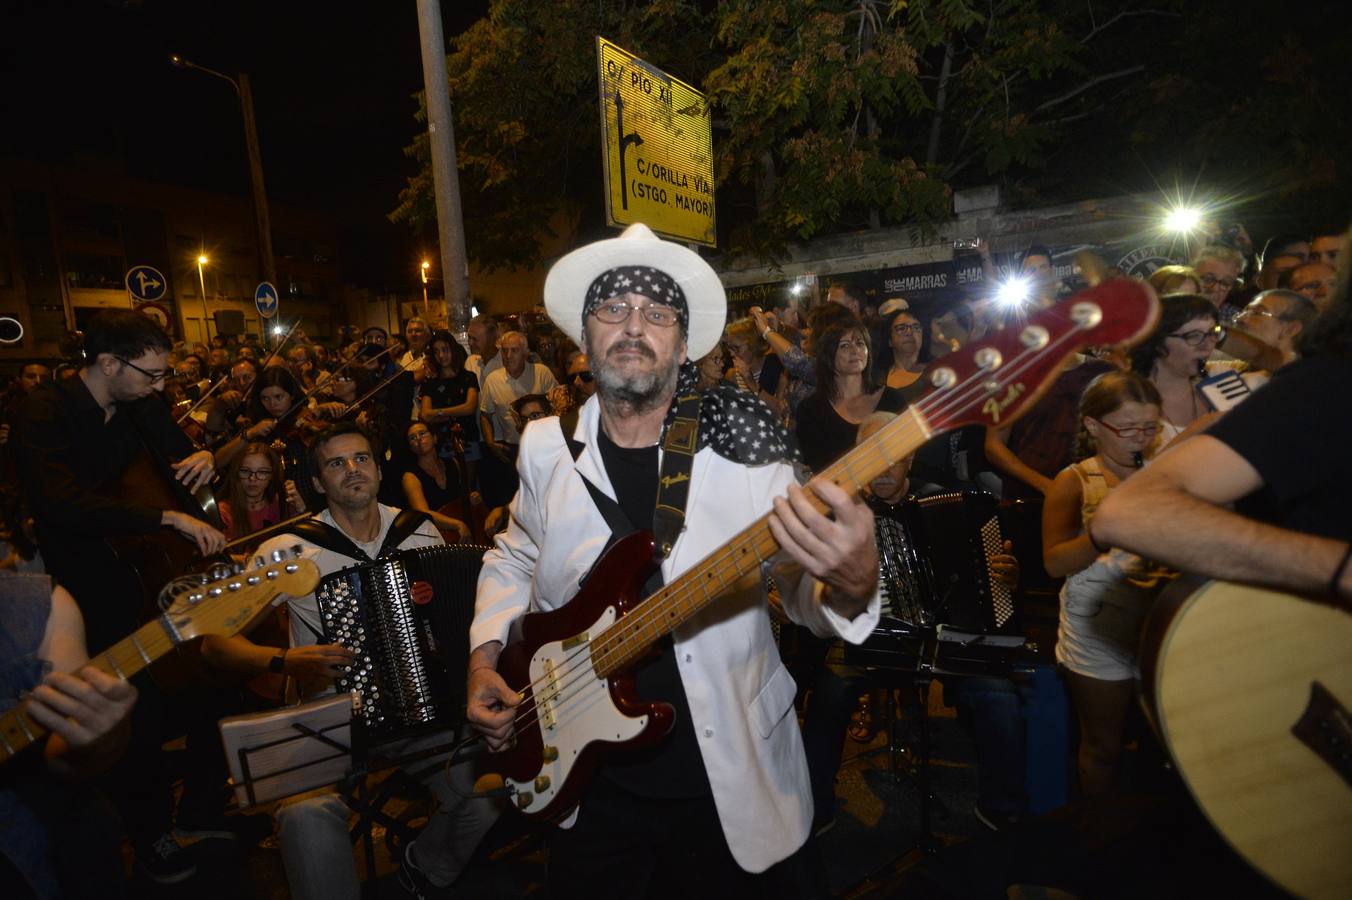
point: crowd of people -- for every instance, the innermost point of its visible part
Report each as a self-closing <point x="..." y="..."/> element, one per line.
<point x="351" y="447"/>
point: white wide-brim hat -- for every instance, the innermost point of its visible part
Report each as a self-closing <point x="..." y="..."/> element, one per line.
<point x="567" y="283"/>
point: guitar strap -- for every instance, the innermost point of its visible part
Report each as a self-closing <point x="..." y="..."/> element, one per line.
<point x="322" y="534"/>
<point x="673" y="483"/>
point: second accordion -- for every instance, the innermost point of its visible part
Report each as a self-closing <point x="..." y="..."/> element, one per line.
<point x="407" y="618"/>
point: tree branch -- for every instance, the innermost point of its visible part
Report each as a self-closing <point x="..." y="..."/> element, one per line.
<point x="1095" y="29"/>
<point x="1120" y="73"/>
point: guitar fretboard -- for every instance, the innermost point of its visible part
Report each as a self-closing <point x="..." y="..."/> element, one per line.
<point x="123" y="660"/>
<point x="676" y="603"/>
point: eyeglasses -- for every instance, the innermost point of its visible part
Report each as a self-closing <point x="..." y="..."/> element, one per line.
<point x="1132" y="431"/>
<point x="584" y="377"/>
<point x="418" y="435"/>
<point x="255" y="474"/>
<point x="1253" y="312"/>
<point x="1211" y="281"/>
<point x="614" y="312"/>
<point x="153" y="376"/>
<point x="1195" y="338"/>
<point x="905" y="328"/>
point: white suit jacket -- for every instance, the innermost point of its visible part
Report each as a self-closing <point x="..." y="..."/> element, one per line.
<point x="740" y="694"/>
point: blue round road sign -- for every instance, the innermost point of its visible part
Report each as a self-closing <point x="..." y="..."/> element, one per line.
<point x="145" y="284"/>
<point x="265" y="298"/>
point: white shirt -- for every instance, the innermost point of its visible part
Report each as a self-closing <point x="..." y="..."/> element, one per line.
<point x="306" y="625"/>
<point x="499" y="389"/>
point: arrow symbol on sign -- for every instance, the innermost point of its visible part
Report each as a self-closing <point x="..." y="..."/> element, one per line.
<point x="146" y="281"/>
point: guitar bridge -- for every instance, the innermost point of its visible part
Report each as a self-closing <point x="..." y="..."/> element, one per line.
<point x="1326" y="728"/>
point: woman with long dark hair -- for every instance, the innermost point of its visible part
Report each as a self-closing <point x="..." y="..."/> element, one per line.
<point x="450" y="398"/>
<point x="279" y="412"/>
<point x="846" y="394"/>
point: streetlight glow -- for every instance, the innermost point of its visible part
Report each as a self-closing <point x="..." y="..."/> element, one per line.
<point x="1182" y="219"/>
<point x="1015" y="291"/>
<point x="202" y="260"/>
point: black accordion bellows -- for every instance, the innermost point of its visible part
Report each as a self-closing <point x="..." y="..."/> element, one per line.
<point x="407" y="617"/>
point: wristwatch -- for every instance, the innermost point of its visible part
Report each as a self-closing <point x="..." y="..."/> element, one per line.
<point x="277" y="663"/>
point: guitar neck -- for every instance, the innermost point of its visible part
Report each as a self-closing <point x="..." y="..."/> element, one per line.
<point x="674" y="604"/>
<point x="123" y="660"/>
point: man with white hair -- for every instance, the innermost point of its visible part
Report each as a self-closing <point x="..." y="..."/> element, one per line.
<point x="719" y="788"/>
<point x="501" y="387"/>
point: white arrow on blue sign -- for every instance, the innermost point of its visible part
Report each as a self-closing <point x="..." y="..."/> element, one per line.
<point x="145" y="284"/>
<point x="265" y="298"/>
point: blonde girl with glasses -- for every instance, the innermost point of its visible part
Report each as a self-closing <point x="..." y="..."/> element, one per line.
<point x="1107" y="592"/>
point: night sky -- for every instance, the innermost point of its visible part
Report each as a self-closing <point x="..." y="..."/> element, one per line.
<point x="332" y="86"/>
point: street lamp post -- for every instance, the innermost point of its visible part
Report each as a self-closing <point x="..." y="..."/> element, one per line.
<point x="260" y="197"/>
<point x="202" y="280"/>
<point x="425" y="266"/>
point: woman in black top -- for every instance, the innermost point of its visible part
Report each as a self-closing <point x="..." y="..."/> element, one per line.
<point x="433" y="485"/>
<point x="846" y="394"/>
<point x="450" y="397"/>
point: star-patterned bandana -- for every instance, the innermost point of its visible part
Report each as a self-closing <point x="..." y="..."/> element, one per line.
<point x="736" y="424"/>
<point x="654" y="284"/>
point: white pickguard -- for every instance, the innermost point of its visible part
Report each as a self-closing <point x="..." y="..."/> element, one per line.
<point x="574" y="709"/>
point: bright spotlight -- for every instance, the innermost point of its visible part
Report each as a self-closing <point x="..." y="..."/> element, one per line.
<point x="796" y="289"/>
<point x="1015" y="291"/>
<point x="1182" y="219"/>
<point x="278" y="330"/>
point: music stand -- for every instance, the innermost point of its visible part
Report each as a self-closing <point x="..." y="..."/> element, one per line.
<point x="281" y="753"/>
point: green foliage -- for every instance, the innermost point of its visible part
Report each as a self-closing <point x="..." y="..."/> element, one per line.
<point x="828" y="113"/>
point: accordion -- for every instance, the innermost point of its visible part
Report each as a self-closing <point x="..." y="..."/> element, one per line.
<point x="959" y="532"/>
<point x="407" y="618"/>
<point x="934" y="558"/>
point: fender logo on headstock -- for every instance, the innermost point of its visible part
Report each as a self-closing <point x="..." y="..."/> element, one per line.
<point x="995" y="407"/>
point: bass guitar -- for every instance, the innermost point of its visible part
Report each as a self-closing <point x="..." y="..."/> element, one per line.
<point x="225" y="606"/>
<point x="1250" y="690"/>
<point x="572" y="666"/>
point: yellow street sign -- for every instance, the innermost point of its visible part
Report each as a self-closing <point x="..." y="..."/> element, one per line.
<point x="657" y="151"/>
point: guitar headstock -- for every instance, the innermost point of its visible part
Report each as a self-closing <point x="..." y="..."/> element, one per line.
<point x="228" y="603"/>
<point x="996" y="380"/>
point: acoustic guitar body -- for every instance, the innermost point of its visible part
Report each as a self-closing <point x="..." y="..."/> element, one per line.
<point x="1251" y="691"/>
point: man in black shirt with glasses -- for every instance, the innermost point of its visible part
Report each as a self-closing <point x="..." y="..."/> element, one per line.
<point x="77" y="438"/>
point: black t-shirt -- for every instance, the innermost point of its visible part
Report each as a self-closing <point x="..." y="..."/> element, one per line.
<point x="453" y="391"/>
<point x="823" y="436"/>
<point x="674" y="767"/>
<point x="1293" y="430"/>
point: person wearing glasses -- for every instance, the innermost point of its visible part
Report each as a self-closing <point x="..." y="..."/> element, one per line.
<point x="1218" y="269"/>
<point x="76" y="439"/>
<point x="253" y="492"/>
<point x="1277" y="318"/>
<point x="1178" y="355"/>
<point x="899" y="356"/>
<point x="578" y="385"/>
<point x="1107" y="593"/>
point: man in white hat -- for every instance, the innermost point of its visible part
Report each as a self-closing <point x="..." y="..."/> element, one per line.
<point x="726" y="792"/>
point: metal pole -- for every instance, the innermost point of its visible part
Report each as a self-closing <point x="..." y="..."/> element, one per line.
<point x="260" y="194"/>
<point x="262" y="220"/>
<point x="202" y="280"/>
<point x="445" y="178"/>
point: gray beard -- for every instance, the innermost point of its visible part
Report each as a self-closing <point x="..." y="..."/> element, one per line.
<point x="634" y="393"/>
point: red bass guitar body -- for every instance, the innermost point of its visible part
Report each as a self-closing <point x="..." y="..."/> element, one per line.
<point x="564" y="725"/>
